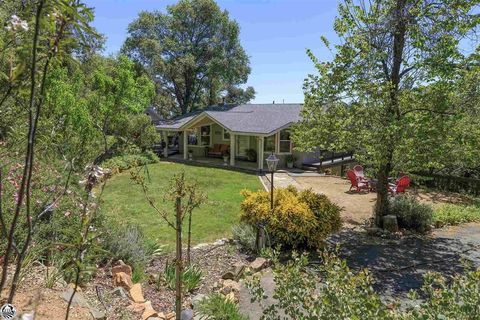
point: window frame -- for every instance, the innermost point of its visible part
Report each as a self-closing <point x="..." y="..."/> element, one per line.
<point x="290" y="146"/>
<point x="223" y="134"/>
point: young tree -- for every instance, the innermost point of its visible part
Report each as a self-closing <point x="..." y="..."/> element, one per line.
<point x="192" y="52"/>
<point x="186" y="197"/>
<point x="370" y="96"/>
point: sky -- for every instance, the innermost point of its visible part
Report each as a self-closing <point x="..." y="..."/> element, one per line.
<point x="274" y="33"/>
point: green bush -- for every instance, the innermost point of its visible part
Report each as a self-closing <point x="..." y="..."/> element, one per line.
<point x="125" y="162"/>
<point x="453" y="214"/>
<point x="411" y="214"/>
<point x="298" y="218"/>
<point x="217" y="307"/>
<point x="191" y="277"/>
<point x="245" y="235"/>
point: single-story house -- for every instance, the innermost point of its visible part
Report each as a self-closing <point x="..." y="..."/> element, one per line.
<point x="245" y="133"/>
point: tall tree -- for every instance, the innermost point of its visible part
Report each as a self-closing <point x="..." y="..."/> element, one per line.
<point x="392" y="54"/>
<point x="192" y="52"/>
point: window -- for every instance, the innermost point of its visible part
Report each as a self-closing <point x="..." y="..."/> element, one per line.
<point x="269" y="144"/>
<point x="226" y="135"/>
<point x="285" y="142"/>
<point x="192" y="137"/>
<point x="205" y="135"/>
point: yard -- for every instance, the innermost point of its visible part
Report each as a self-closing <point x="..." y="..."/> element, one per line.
<point x="124" y="202"/>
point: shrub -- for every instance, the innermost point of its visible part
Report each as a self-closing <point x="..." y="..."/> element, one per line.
<point x="217" y="307"/>
<point x="411" y="214"/>
<point x="453" y="214"/>
<point x="298" y="218"/>
<point x="126" y="243"/>
<point x="125" y="162"/>
<point x="245" y="235"/>
<point x="191" y="277"/>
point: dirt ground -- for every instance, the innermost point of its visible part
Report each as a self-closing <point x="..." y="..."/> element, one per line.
<point x="358" y="207"/>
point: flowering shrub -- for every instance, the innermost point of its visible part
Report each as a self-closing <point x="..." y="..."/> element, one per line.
<point x="298" y="218"/>
<point x="125" y="162"/>
<point x="411" y="214"/>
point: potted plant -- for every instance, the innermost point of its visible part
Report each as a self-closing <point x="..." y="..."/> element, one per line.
<point x="190" y="154"/>
<point x="290" y="160"/>
<point x="225" y="158"/>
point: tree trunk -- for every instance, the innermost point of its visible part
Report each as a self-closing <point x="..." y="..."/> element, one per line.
<point x="189" y="240"/>
<point x="179" y="262"/>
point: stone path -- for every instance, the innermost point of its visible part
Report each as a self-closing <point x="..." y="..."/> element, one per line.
<point x="397" y="265"/>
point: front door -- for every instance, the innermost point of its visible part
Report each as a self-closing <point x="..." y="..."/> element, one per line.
<point x="243" y="143"/>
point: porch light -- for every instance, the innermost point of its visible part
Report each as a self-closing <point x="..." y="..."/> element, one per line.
<point x="272" y="162"/>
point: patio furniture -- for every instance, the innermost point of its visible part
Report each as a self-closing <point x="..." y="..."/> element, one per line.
<point x="358" y="169"/>
<point x="357" y="183"/>
<point x="218" y="150"/>
<point x="400" y="186"/>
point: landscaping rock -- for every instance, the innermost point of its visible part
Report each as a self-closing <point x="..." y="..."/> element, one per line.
<point x="186" y="314"/>
<point x="136" y="293"/>
<point x="235" y="273"/>
<point x="136" y="307"/>
<point x="229" y="286"/>
<point x="97" y="314"/>
<point x="197" y="299"/>
<point x="390" y="223"/>
<point x="122" y="267"/>
<point x="122" y="279"/>
<point x="231" y="297"/>
<point x="119" y="292"/>
<point x="170" y="316"/>
<point x="78" y="298"/>
<point x="28" y="316"/>
<point x="258" y="264"/>
<point x="149" y="311"/>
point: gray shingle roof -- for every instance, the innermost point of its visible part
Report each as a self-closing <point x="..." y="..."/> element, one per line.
<point x="244" y="118"/>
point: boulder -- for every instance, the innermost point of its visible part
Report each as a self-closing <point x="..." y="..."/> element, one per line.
<point x="97" y="314"/>
<point x="390" y="223"/>
<point x="149" y="311"/>
<point x="235" y="272"/>
<point x="170" y="316"/>
<point x="123" y="280"/>
<point x="122" y="267"/>
<point x="78" y="298"/>
<point x="230" y="286"/>
<point x="136" y="307"/>
<point x="197" y="299"/>
<point x="136" y="293"/>
<point x="258" y="264"/>
<point x="186" y="314"/>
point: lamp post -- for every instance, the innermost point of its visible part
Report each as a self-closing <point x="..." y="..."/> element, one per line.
<point x="272" y="162"/>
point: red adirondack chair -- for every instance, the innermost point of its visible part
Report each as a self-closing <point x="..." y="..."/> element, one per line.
<point x="358" y="169"/>
<point x="400" y="186"/>
<point x="357" y="183"/>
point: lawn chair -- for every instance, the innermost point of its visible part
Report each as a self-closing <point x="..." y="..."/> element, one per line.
<point x="358" y="169"/>
<point x="356" y="182"/>
<point x="400" y="186"/>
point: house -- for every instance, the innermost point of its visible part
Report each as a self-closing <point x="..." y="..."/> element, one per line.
<point x="245" y="133"/>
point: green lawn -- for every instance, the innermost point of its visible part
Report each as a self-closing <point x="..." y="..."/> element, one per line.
<point x="124" y="202"/>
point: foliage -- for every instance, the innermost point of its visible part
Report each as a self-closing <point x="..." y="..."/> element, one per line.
<point x="245" y="235"/>
<point x="251" y="154"/>
<point x="411" y="214"/>
<point x="126" y="243"/>
<point x="298" y="218"/>
<point x="346" y="294"/>
<point x="393" y="90"/>
<point x="237" y="95"/>
<point x="453" y="214"/>
<point x="179" y="49"/>
<point x="290" y="158"/>
<point x="191" y="277"/>
<point x="125" y="162"/>
<point x="217" y="307"/>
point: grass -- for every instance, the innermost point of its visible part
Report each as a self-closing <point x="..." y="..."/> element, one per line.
<point x="454" y="214"/>
<point x="124" y="202"/>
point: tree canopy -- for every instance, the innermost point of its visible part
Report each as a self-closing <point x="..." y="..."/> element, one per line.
<point x="192" y="52"/>
<point x="391" y="90"/>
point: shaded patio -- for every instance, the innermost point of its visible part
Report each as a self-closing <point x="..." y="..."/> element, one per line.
<point x="240" y="165"/>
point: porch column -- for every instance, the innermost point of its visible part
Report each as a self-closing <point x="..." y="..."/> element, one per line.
<point x="165" y="138"/>
<point x="232" y="149"/>
<point x="260" y="153"/>
<point x="185" y="145"/>
<point x="277" y="142"/>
